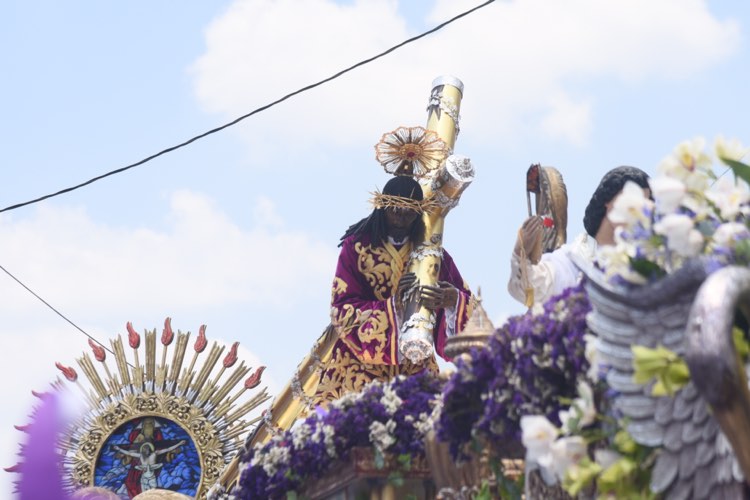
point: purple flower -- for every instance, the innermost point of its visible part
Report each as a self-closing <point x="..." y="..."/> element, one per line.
<point x="528" y="366"/>
<point x="314" y="445"/>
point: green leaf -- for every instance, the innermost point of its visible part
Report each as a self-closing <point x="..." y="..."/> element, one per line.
<point x="646" y="268"/>
<point x="670" y="371"/>
<point x="396" y="479"/>
<point x="616" y="476"/>
<point x="404" y="460"/>
<point x="580" y="475"/>
<point x="484" y="493"/>
<point x="740" y="343"/>
<point x="625" y="443"/>
<point x="739" y="169"/>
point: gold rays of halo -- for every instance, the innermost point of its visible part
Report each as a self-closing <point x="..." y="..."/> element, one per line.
<point x="413" y="151"/>
<point x="380" y="200"/>
<point x="212" y="399"/>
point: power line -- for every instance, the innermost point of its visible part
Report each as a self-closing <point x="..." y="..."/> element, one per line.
<point x="56" y="311"/>
<point x="258" y="110"/>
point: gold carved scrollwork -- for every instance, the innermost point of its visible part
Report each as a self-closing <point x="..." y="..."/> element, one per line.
<point x="146" y="404"/>
<point x="175" y="408"/>
<point x="348" y="374"/>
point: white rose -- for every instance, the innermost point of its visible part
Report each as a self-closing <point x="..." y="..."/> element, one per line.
<point x="628" y="207"/>
<point x="682" y="237"/>
<point x="668" y="193"/>
<point x="729" y="232"/>
<point x="537" y="435"/>
<point x="582" y="408"/>
<point x="591" y="352"/>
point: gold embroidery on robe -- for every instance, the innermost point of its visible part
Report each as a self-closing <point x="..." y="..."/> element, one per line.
<point x="371" y="334"/>
<point x="375" y="266"/>
<point x="339" y="287"/>
<point x="346" y="374"/>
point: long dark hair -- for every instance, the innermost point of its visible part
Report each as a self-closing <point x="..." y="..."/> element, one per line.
<point x="611" y="184"/>
<point x="375" y="224"/>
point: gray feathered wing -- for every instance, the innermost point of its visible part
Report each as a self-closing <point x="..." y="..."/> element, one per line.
<point x="696" y="460"/>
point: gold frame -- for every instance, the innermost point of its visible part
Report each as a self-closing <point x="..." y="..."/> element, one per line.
<point x="195" y="398"/>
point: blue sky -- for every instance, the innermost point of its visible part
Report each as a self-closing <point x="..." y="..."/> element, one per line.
<point x="239" y="230"/>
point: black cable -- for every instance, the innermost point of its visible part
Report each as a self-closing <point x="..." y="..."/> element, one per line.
<point x="262" y="108"/>
<point x="58" y="312"/>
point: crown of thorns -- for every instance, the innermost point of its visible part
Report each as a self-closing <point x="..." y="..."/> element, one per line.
<point x="380" y="200"/>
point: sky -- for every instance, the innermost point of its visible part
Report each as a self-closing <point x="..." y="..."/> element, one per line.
<point x="239" y="230"/>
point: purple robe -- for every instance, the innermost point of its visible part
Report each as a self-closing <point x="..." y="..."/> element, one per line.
<point x="364" y="313"/>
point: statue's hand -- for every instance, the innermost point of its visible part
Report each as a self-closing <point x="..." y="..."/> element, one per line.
<point x="437" y="297"/>
<point x="406" y="282"/>
<point x="530" y="238"/>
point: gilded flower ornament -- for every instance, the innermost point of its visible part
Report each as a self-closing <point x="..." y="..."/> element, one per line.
<point x="413" y="151"/>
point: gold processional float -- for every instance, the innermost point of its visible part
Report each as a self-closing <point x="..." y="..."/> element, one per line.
<point x="154" y="425"/>
<point x="444" y="185"/>
<point x="187" y="425"/>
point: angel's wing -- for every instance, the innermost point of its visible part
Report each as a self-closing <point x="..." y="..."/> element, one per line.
<point x="696" y="460"/>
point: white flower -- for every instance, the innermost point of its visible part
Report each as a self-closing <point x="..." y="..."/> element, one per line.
<point x="591" y="352"/>
<point x="668" y="193"/>
<point x="729" y="197"/>
<point x="689" y="164"/>
<point x="566" y="452"/>
<point x="682" y="237"/>
<point x="730" y="150"/>
<point x="628" y="207"/>
<point x="729" y="232"/>
<point x="327" y="433"/>
<point x="691" y="154"/>
<point x="381" y="435"/>
<point x="537" y="309"/>
<point x="606" y="458"/>
<point x="300" y="435"/>
<point x="275" y="458"/>
<point x="390" y="400"/>
<point x="346" y="400"/>
<point x="425" y="423"/>
<point x="582" y="409"/>
<point x="616" y="260"/>
<point x="537" y="435"/>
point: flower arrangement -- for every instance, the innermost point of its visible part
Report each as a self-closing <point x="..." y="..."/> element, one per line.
<point x="530" y="366"/>
<point x="589" y="450"/>
<point x="694" y="213"/>
<point x="391" y="418"/>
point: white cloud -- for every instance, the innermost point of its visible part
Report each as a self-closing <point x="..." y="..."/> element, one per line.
<point x="201" y="264"/>
<point x="202" y="259"/>
<point x="568" y="120"/>
<point x="511" y="56"/>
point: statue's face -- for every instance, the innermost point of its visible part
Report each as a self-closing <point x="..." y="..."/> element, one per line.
<point x="399" y="221"/>
<point x="148" y="427"/>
